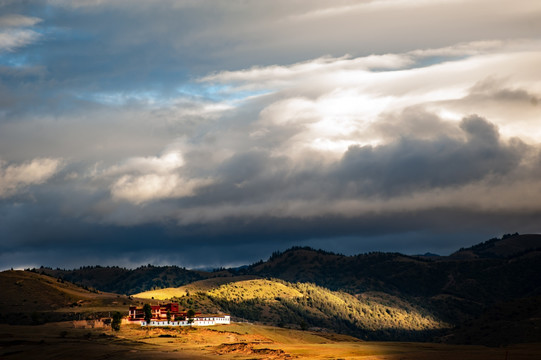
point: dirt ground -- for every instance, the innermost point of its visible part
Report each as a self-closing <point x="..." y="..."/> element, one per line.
<point x="236" y="341"/>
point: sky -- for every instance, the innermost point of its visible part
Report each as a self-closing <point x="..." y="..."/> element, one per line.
<point x="212" y="133"/>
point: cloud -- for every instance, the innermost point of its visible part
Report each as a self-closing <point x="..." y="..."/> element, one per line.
<point x="410" y="165"/>
<point x="140" y="189"/>
<point x="12" y="39"/>
<point x="16" y="178"/>
<point x="14" y="33"/>
<point x="162" y="164"/>
<point x="17" y="20"/>
<point x="369" y="6"/>
<point x="261" y="125"/>
<point x="156" y="178"/>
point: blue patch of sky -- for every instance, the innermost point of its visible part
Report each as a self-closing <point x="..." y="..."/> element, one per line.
<point x="14" y="60"/>
<point x="62" y="33"/>
<point x="150" y="97"/>
<point x="212" y="93"/>
<point x="434" y="60"/>
<point x="218" y="92"/>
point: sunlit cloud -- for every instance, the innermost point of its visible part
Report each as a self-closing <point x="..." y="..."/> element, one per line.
<point x="15" y="178"/>
<point x="151" y="187"/>
<point x="152" y="178"/>
<point x="369" y="6"/>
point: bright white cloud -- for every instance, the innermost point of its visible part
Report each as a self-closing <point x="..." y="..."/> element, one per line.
<point x="15" y="178"/>
<point x="275" y="75"/>
<point x="336" y="102"/>
<point x="155" y="164"/>
<point x="369" y="6"/>
<point x="151" y="187"/>
<point x="146" y="179"/>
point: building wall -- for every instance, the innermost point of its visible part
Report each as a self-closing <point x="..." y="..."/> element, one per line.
<point x="204" y="321"/>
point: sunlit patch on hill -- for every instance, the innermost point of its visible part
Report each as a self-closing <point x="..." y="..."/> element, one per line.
<point x="306" y="305"/>
<point x="255" y="289"/>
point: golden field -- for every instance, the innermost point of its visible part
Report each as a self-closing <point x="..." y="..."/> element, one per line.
<point x="235" y="341"/>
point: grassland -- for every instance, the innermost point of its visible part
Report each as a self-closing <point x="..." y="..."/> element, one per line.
<point x="235" y="341"/>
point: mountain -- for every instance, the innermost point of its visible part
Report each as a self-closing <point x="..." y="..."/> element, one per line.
<point x="465" y="290"/>
<point x="455" y="288"/>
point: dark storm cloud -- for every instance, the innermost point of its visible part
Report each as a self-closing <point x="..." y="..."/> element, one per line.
<point x="405" y="166"/>
<point x="410" y="164"/>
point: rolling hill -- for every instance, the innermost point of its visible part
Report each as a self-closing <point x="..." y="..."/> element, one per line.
<point x="127" y="281"/>
<point x="454" y="288"/>
<point x="465" y="290"/>
<point x="306" y="305"/>
<point x="509" y="245"/>
<point x="32" y="298"/>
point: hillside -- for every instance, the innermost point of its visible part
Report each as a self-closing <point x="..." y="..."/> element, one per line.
<point x="457" y="289"/>
<point x="494" y="275"/>
<point x="305" y="305"/>
<point x="516" y="321"/>
<point x="127" y="281"/>
<point x="508" y="246"/>
<point x="196" y="286"/>
<point x="31" y="298"/>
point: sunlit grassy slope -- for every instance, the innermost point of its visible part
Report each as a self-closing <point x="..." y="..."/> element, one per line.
<point x="197" y="286"/>
<point x="305" y="305"/>
<point x="257" y="289"/>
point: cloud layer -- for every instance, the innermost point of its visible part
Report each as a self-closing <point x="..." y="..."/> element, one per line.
<point x="238" y="129"/>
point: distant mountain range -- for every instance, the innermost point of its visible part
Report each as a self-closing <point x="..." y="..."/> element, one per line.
<point x="470" y="296"/>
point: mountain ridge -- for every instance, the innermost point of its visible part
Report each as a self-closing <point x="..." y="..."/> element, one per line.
<point x="463" y="288"/>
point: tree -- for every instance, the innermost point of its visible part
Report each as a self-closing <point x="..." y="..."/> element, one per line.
<point x="190" y="315"/>
<point x="117" y="319"/>
<point x="168" y="316"/>
<point x="147" y="310"/>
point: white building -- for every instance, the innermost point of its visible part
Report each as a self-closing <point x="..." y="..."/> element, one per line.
<point x="200" y="320"/>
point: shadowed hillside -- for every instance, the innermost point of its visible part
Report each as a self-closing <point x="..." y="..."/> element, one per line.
<point x="127" y="281"/>
<point x="516" y="321"/>
<point x="509" y="245"/>
<point x="31" y="298"/>
<point x="455" y="288"/>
